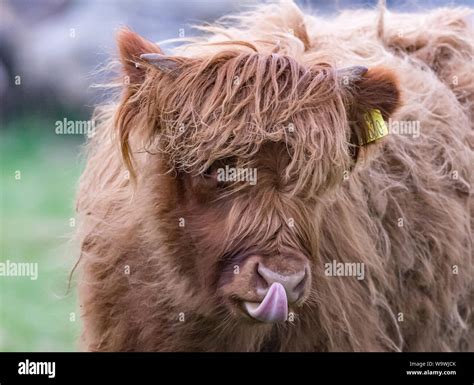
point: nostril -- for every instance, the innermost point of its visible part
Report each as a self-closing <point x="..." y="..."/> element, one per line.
<point x="300" y="286"/>
<point x="261" y="280"/>
<point x="267" y="275"/>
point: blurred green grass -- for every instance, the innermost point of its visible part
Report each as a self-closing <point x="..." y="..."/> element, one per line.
<point x="35" y="226"/>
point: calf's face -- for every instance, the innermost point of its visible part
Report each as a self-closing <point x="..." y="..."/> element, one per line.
<point x="252" y="238"/>
<point x="250" y="144"/>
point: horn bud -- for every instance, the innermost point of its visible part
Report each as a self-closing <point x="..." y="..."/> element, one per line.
<point x="162" y="62"/>
<point x="350" y="75"/>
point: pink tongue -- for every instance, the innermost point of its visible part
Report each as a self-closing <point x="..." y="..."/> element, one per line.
<point x="273" y="308"/>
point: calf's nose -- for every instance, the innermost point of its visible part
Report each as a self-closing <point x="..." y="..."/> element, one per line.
<point x="292" y="283"/>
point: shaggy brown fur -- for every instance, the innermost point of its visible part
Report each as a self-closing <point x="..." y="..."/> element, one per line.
<point x="161" y="238"/>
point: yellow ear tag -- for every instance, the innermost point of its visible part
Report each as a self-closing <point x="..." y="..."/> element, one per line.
<point x="377" y="128"/>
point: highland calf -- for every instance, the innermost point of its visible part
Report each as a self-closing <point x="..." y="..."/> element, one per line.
<point x="351" y="238"/>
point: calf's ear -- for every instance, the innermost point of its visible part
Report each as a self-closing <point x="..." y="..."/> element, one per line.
<point x="139" y="58"/>
<point x="373" y="95"/>
<point x="138" y="54"/>
<point x="131" y="46"/>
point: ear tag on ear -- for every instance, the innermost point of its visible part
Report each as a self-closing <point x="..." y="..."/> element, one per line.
<point x="377" y="128"/>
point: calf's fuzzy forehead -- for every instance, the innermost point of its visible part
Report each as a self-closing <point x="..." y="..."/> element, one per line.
<point x="216" y="109"/>
<point x="232" y="103"/>
<point x="234" y="99"/>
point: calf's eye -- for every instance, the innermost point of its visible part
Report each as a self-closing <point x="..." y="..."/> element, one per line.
<point x="214" y="175"/>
